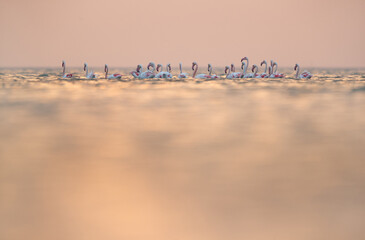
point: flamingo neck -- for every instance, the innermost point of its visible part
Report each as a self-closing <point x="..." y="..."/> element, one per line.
<point x="265" y="67"/>
<point x="87" y="70"/>
<point x="255" y="71"/>
<point x="180" y="66"/>
<point x="64" y="70"/>
<point x="276" y="68"/>
<point x="195" y="70"/>
<point x="233" y="68"/>
<point x="297" y="75"/>
<point x="244" y="69"/>
<point x="228" y="72"/>
<point x="248" y="62"/>
<point x="106" y="72"/>
<point x="210" y="71"/>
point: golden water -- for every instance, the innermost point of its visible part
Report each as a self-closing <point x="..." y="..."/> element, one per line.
<point x="190" y="160"/>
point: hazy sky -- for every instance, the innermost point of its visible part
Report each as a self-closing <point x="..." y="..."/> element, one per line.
<point x="125" y="33"/>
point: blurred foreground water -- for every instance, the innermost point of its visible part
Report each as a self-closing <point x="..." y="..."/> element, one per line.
<point x="190" y="160"/>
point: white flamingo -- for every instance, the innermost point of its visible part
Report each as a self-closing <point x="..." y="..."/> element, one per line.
<point x="305" y="74"/>
<point x="244" y="71"/>
<point x="234" y="73"/>
<point x="89" y="75"/>
<point x="231" y="75"/>
<point x="255" y="68"/>
<point x="271" y="75"/>
<point x="111" y="76"/>
<point x="248" y="75"/>
<point x="137" y="72"/>
<point x="195" y="69"/>
<point x="64" y="74"/>
<point x="162" y="74"/>
<point x="210" y="69"/>
<point x="182" y="75"/>
<point x="275" y="71"/>
<point x="149" y="73"/>
<point x="264" y="74"/>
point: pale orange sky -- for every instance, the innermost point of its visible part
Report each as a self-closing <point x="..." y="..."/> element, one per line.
<point x="322" y="33"/>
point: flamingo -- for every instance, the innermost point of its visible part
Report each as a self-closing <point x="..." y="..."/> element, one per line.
<point x="64" y="75"/>
<point x="88" y="75"/>
<point x="264" y="75"/>
<point x="210" y="69"/>
<point x="244" y="74"/>
<point x="182" y="75"/>
<point x="112" y="76"/>
<point x="277" y="75"/>
<point x="163" y="74"/>
<point x="234" y="73"/>
<point x="195" y="69"/>
<point x="271" y="75"/>
<point x="305" y="74"/>
<point x="230" y="75"/>
<point x="255" y="68"/>
<point x="233" y="68"/>
<point x="137" y="72"/>
<point x="248" y="75"/>
<point x="149" y="73"/>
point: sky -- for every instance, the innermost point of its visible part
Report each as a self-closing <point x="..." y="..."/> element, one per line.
<point x="124" y="33"/>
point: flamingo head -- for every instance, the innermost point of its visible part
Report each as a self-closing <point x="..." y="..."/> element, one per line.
<point x="263" y="62"/>
<point x="226" y="69"/>
<point x="296" y="66"/>
<point x="253" y="68"/>
<point x="158" y="67"/>
<point x="106" y="68"/>
<point x="209" y="67"/>
<point x="232" y="67"/>
<point x="169" y="67"/>
<point x="245" y="58"/>
<point x="151" y="64"/>
<point x="63" y="63"/>
<point x="139" y="66"/>
<point x="85" y="66"/>
<point x="193" y="66"/>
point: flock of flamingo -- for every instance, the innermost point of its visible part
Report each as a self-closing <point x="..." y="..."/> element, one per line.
<point x="154" y="71"/>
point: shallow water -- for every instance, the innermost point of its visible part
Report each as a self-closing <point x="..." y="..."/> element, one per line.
<point x="169" y="159"/>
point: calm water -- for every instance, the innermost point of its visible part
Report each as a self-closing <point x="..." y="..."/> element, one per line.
<point x="190" y="160"/>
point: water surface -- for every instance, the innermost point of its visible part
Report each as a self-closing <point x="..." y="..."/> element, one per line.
<point x="191" y="160"/>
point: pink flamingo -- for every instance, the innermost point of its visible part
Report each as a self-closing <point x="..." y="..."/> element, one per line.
<point x="305" y="74"/>
<point x="230" y="75"/>
<point x="244" y="74"/>
<point x="182" y="75"/>
<point x="195" y="69"/>
<point x="233" y="68"/>
<point x="88" y="75"/>
<point x="161" y="74"/>
<point x="248" y="75"/>
<point x="270" y="74"/>
<point x="264" y="75"/>
<point x="112" y="76"/>
<point x="137" y="72"/>
<point x="255" y="68"/>
<point x="277" y="75"/>
<point x="234" y="73"/>
<point x="210" y="69"/>
<point x="64" y="75"/>
<point x="149" y="73"/>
